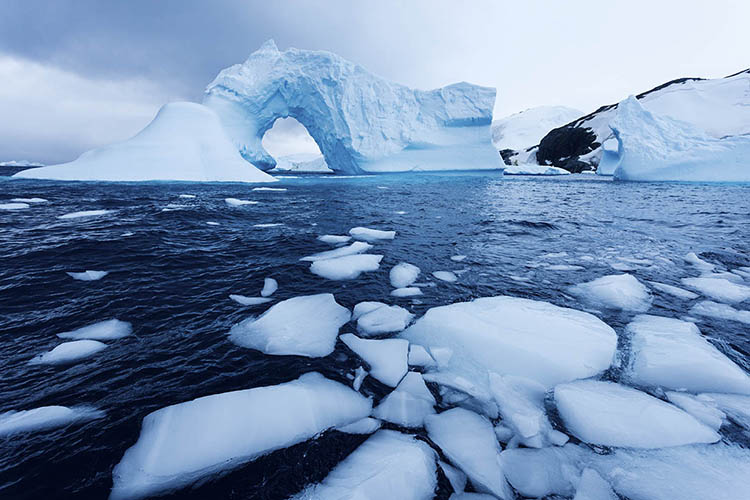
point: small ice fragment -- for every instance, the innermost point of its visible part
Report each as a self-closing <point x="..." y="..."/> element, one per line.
<point x="69" y="352"/>
<point x="367" y="425"/>
<point x="346" y="268"/>
<point x="563" y="267"/>
<point x="212" y="223"/>
<point x="454" y="476"/>
<point x="44" y="418"/>
<point x="88" y="275"/>
<point x="371" y="235"/>
<point x="29" y="200"/>
<point x="353" y="249"/>
<point x="703" y="411"/>
<point x="270" y="224"/>
<point x="702" y="265"/>
<point x="249" y="301"/>
<point x="334" y="239"/>
<point x="13" y="206"/>
<point x="187" y="196"/>
<point x="383" y="319"/>
<point x="111" y="329"/>
<point x="448" y="276"/>
<point x="234" y="202"/>
<point x="270" y="285"/>
<point x="403" y="274"/>
<point x="680" y="293"/>
<point x="406" y="292"/>
<point x="719" y="289"/>
<point x="388" y="358"/>
<point x="458" y="258"/>
<point x="84" y="213"/>
<point x="268" y="189"/>
<point x="615" y="291"/>
<point x="359" y="376"/>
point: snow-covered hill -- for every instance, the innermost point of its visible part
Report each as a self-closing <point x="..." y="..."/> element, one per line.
<point x="525" y="129"/>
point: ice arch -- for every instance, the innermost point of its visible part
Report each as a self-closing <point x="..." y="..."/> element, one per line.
<point x="361" y="123"/>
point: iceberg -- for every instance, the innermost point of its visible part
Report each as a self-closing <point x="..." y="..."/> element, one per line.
<point x="615" y="291"/>
<point x="111" y="329"/>
<point x="389" y="465"/>
<point x="610" y="414"/>
<point x="44" y="418"/>
<point x="69" y="352"/>
<point x="360" y="122"/>
<point x="408" y="404"/>
<point x="651" y="147"/>
<point x="305" y="326"/>
<point x="468" y="441"/>
<point x="403" y="274"/>
<point x="184" y="142"/>
<point x="514" y="336"/>
<point x="388" y="358"/>
<point x="185" y="442"/>
<point x="348" y="267"/>
<point x="88" y="275"/>
<point x="670" y="353"/>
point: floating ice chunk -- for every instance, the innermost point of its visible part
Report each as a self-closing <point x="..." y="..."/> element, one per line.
<point x="249" y="301"/>
<point x="234" y="202"/>
<point x="371" y="235"/>
<point x="44" y="418"/>
<point x="445" y="276"/>
<point x="721" y="311"/>
<point x="367" y="425"/>
<point x="735" y="406"/>
<point x="365" y="307"/>
<point x="458" y="258"/>
<point x="468" y="441"/>
<point x="520" y="402"/>
<point x="88" y="275"/>
<point x="673" y="290"/>
<point x="388" y="358"/>
<point x="389" y="465"/>
<point x="334" y="239"/>
<point x="359" y="376"/>
<point x="593" y="487"/>
<point x="85" y="213"/>
<point x="670" y="353"/>
<point x="184" y="442"/>
<point x="187" y="196"/>
<point x="271" y="224"/>
<point x="29" y="200"/>
<point x="734" y="278"/>
<point x="403" y="274"/>
<point x="702" y="265"/>
<point x="418" y="356"/>
<point x="513" y="336"/>
<point x="13" y="206"/>
<point x="539" y="473"/>
<point x="455" y="477"/>
<point x="353" y="249"/>
<point x="611" y="414"/>
<point x="701" y="410"/>
<point x="701" y="472"/>
<point x="615" y="291"/>
<point x="411" y="291"/>
<point x="409" y="404"/>
<point x="458" y="390"/>
<point x="563" y="267"/>
<point x="348" y="267"/>
<point x="212" y="223"/>
<point x="383" y="319"/>
<point x="270" y="285"/>
<point x="719" y="289"/>
<point x="269" y="189"/>
<point x="305" y="326"/>
<point x="111" y="329"/>
<point x="69" y="352"/>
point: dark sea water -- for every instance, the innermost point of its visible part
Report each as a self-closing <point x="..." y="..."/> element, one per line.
<point x="171" y="279"/>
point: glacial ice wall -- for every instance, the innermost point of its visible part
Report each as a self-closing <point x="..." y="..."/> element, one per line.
<point x="362" y="123"/>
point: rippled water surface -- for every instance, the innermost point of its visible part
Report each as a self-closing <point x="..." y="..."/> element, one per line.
<point x="172" y="276"/>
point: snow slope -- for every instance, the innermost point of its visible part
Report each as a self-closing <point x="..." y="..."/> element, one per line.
<point x="184" y="142"/>
<point x="361" y="122"/>
<point x="523" y="130"/>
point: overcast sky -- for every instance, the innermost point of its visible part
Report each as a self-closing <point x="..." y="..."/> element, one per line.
<point x="82" y="73"/>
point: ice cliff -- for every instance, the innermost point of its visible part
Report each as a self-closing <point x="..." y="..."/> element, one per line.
<point x="362" y="123"/>
<point x="651" y="147"/>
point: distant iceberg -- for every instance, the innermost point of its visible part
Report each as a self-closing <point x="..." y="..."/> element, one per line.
<point x="362" y="123"/>
<point x="660" y="148"/>
<point x="184" y="142"/>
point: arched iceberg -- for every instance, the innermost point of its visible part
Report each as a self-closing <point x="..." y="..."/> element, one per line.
<point x="362" y="123"/>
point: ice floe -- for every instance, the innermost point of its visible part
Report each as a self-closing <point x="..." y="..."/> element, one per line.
<point x="610" y="414"/>
<point x="270" y="286"/>
<point x="187" y="196"/>
<point x="615" y="291"/>
<point x="458" y="258"/>
<point x="249" y="301"/>
<point x="234" y="202"/>
<point x="720" y="289"/>
<point x="13" y="206"/>
<point x="334" y="239"/>
<point x="306" y="326"/>
<point x="408" y="404"/>
<point x="514" y="336"/>
<point x="182" y="443"/>
<point x="388" y="358"/>
<point x="410" y="291"/>
<point x="670" y="353"/>
<point x="367" y="425"/>
<point x="111" y="329"/>
<point x="69" y="352"/>
<point x="44" y="418"/>
<point x="84" y="213"/>
<point x="382" y="319"/>
<point x="348" y="267"/>
<point x="735" y="406"/>
<point x="455" y="477"/>
<point x="468" y="441"/>
<point x="539" y="473"/>
<point x="704" y="411"/>
<point x="448" y="276"/>
<point x="29" y="200"/>
<point x="371" y="235"/>
<point x="88" y="275"/>
<point x="403" y="274"/>
<point x="593" y="487"/>
<point x="355" y="248"/>
<point x="418" y="356"/>
<point x="722" y="311"/>
<point x="389" y="465"/>
<point x="675" y="291"/>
